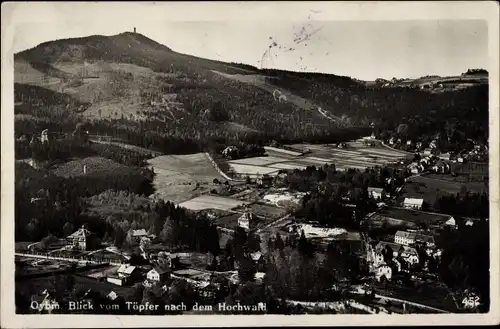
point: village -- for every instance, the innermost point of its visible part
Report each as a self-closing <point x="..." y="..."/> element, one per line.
<point x="397" y="240"/>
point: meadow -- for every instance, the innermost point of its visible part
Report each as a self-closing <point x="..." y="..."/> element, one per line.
<point x="181" y="177"/>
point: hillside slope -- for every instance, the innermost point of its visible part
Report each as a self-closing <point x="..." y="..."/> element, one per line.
<point x="133" y="87"/>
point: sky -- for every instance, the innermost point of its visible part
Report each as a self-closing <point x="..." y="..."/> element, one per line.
<point x="363" y="49"/>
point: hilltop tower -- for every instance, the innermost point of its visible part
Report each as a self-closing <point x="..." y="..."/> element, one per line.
<point x="135" y="30"/>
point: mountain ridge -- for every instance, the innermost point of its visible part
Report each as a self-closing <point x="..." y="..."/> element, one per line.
<point x="138" y="82"/>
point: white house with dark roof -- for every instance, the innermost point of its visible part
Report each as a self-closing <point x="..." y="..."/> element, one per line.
<point x="383" y="271"/>
<point x="376" y="193"/>
<point x="405" y="238"/>
<point x="157" y="275"/>
<point x="413" y="203"/>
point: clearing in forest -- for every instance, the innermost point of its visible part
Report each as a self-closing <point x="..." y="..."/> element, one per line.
<point x="181" y="177"/>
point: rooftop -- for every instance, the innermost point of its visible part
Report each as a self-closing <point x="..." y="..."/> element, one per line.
<point x="407" y="235"/>
<point x="126" y="269"/>
<point x="375" y="189"/>
<point x="82" y="232"/>
<point x="160" y="270"/>
<point x="424" y="238"/>
<point x="414" y="201"/>
<point x="256" y="256"/>
<point x="141" y="232"/>
<point x="410" y="250"/>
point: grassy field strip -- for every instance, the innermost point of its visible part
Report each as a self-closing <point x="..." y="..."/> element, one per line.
<point x="269" y="148"/>
<point x="259" y="161"/>
<point x="211" y="202"/>
<point x="252" y="170"/>
<point x="290" y="166"/>
<point x="384" y="152"/>
<point x="320" y="159"/>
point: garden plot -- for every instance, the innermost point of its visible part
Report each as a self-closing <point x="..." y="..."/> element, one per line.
<point x="211" y="202"/>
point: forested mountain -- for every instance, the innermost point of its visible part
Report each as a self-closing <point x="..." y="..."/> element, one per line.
<point x="132" y="87"/>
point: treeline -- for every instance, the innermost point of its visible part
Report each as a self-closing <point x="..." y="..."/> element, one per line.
<point x="464" y="204"/>
<point x="321" y="178"/>
<point x="60" y="150"/>
<point x="465" y="262"/>
<point x="389" y="107"/>
<point x="296" y="272"/>
<point x="44" y="202"/>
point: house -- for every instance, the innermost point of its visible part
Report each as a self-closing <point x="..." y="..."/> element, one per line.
<point x="410" y="255"/>
<point x="83" y="239"/>
<point x="413" y="203"/>
<point x="409" y="142"/>
<point x="433" y="144"/>
<point x="128" y="272"/>
<point x="157" y="275"/>
<point x="391" y="141"/>
<point x="445" y="156"/>
<point x="427" y="151"/>
<point x="383" y="272"/>
<point x="414" y="169"/>
<point x="381" y="248"/>
<point x="376" y="193"/>
<point x="137" y="235"/>
<point x="258" y="259"/>
<point x="264" y="180"/>
<point x="112" y="295"/>
<point x="405" y="238"/>
<point x="426" y="240"/>
<point x="125" y="274"/>
<point x="246" y="220"/>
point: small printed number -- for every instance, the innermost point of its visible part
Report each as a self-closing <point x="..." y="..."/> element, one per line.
<point x="471" y="302"/>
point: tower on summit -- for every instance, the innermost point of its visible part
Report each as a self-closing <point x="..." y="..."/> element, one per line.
<point x="135" y="30"/>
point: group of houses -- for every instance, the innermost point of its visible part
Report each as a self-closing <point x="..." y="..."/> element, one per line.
<point x="401" y="254"/>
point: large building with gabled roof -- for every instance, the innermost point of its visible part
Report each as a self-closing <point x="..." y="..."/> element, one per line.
<point x="83" y="239"/>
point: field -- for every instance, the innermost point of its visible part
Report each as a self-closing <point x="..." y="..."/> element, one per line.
<point x="357" y="155"/>
<point x="430" y="188"/>
<point x="211" y="202"/>
<point x="399" y="217"/>
<point x="93" y="165"/>
<point x="267" y="211"/>
<point x="177" y="175"/>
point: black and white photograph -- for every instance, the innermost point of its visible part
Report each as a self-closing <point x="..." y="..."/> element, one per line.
<point x="223" y="159"/>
